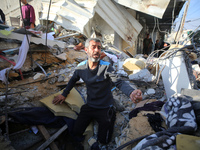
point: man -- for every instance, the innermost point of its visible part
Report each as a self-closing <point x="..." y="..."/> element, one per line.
<point x="98" y="76"/>
<point x="2" y="19"/>
<point x="28" y="14"/>
<point x="147" y="45"/>
<point x="157" y="45"/>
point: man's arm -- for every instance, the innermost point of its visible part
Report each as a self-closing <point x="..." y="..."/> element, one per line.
<point x="134" y="94"/>
<point x="59" y="99"/>
<point x="32" y="17"/>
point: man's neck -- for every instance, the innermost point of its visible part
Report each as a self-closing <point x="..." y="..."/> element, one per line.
<point x="92" y="65"/>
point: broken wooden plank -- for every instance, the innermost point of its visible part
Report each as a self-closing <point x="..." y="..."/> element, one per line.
<point x="46" y="136"/>
<point x="52" y="138"/>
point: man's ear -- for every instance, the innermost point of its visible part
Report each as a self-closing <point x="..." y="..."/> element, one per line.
<point x="86" y="49"/>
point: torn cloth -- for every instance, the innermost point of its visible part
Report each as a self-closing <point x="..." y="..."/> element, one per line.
<point x="180" y="119"/>
<point x="23" y="50"/>
<point x="153" y="106"/>
<point x="40" y="116"/>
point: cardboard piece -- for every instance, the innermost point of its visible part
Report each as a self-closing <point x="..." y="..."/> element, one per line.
<point x="194" y="94"/>
<point x="69" y="107"/>
<point x="74" y="100"/>
<point x="185" y="142"/>
<point x="59" y="109"/>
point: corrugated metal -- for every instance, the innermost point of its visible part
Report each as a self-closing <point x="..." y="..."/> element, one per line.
<point x="119" y="19"/>
<point x="67" y="13"/>
<point x="152" y="7"/>
<point x="73" y="16"/>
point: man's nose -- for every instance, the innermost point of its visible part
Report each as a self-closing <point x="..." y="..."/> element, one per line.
<point x="96" y="49"/>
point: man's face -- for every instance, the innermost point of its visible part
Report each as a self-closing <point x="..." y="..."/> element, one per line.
<point x="94" y="51"/>
<point x="23" y="1"/>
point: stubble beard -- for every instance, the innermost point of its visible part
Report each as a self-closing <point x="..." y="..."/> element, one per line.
<point x="93" y="59"/>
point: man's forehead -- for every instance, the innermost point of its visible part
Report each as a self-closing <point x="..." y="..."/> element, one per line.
<point x="94" y="43"/>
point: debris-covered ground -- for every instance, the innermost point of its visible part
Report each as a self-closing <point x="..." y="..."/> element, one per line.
<point x="47" y="70"/>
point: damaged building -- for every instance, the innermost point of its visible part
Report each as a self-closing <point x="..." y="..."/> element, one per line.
<point x="36" y="65"/>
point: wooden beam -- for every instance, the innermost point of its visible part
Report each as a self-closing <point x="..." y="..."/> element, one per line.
<point x="46" y="136"/>
<point x="52" y="138"/>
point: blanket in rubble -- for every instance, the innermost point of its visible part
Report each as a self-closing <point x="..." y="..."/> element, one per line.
<point x="180" y="120"/>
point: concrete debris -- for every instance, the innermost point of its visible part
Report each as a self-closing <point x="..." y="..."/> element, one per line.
<point x="142" y="75"/>
<point x="154" y="8"/>
<point x="59" y="70"/>
<point x="132" y="64"/>
<point x="164" y="76"/>
<point x="38" y="75"/>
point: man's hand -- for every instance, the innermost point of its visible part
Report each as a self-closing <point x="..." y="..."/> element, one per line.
<point x="58" y="99"/>
<point x="136" y="96"/>
<point x="32" y="26"/>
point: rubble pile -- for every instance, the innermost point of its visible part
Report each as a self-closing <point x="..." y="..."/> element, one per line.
<point x="47" y="70"/>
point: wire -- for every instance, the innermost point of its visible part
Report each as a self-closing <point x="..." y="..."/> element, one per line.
<point x="168" y="53"/>
<point x="192" y="20"/>
<point x="6" y="105"/>
<point x="193" y="40"/>
<point x="189" y="36"/>
<point x="173" y="11"/>
<point x="159" y="28"/>
<point x="26" y="34"/>
<point x="47" y="29"/>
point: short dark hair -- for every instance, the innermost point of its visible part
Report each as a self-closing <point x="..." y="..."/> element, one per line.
<point x="87" y="42"/>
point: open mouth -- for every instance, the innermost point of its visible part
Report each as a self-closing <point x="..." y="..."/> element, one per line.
<point x="96" y="55"/>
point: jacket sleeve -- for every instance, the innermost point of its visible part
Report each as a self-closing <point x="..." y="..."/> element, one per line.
<point x="119" y="83"/>
<point x="32" y="15"/>
<point x="71" y="83"/>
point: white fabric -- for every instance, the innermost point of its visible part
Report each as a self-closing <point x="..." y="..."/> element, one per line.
<point x="3" y="75"/>
<point x="21" y="58"/>
<point x="113" y="57"/>
<point x="22" y="52"/>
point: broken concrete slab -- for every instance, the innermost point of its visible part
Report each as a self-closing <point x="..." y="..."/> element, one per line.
<point x="68" y="14"/>
<point x="119" y="19"/>
<point x="35" y="40"/>
<point x="131" y="64"/>
<point x="142" y="75"/>
<point x="175" y="75"/>
<point x="155" y="8"/>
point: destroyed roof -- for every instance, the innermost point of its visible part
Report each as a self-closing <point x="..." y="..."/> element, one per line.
<point x="72" y="16"/>
<point x="168" y="17"/>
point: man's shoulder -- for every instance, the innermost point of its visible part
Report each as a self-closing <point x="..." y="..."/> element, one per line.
<point x="83" y="63"/>
<point x="28" y="5"/>
<point x="104" y="63"/>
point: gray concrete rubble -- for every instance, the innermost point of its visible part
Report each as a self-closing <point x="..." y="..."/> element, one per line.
<point x="37" y="64"/>
<point x="53" y="73"/>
